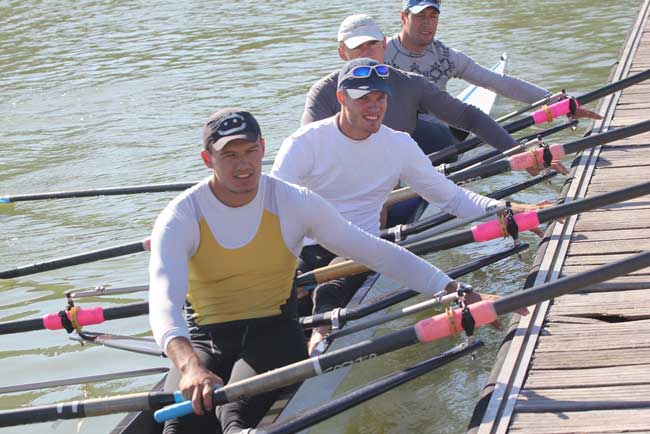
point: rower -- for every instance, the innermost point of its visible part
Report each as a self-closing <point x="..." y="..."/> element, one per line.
<point x="353" y="161"/>
<point x="360" y="36"/>
<point x="415" y="49"/>
<point x="225" y="251"/>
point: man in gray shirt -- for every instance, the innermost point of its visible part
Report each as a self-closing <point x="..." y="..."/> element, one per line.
<point x="415" y="49"/>
<point x="359" y="36"/>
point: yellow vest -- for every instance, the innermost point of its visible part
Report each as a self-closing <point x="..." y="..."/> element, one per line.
<point x="252" y="281"/>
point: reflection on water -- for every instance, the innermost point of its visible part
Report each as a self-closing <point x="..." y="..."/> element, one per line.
<point x="102" y="93"/>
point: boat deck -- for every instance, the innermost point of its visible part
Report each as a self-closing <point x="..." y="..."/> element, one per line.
<point x="581" y="363"/>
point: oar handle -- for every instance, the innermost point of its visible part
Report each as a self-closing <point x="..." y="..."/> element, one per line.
<point x="173" y="411"/>
<point x="320" y="275"/>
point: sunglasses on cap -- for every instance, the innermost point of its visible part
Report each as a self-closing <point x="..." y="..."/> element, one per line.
<point x="365" y="71"/>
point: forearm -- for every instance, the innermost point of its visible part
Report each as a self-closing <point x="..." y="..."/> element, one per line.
<point x="182" y="354"/>
<point x="349" y="241"/>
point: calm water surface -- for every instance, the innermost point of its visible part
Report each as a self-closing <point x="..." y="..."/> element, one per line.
<point x="105" y="93"/>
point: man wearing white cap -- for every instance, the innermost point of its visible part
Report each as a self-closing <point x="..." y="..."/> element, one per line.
<point x="359" y="36"/>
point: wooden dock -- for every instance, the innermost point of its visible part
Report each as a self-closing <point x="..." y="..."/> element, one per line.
<point x="581" y="363"/>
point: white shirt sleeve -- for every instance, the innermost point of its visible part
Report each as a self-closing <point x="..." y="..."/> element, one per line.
<point x="173" y="241"/>
<point x="418" y="173"/>
<point x="293" y="161"/>
<point x="324" y="224"/>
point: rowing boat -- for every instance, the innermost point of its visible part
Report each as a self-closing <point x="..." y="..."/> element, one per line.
<point x="317" y="390"/>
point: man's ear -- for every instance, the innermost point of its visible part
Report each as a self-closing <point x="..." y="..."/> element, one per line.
<point x="205" y="156"/>
<point x="340" y="96"/>
<point x="403" y="16"/>
<point x="342" y="54"/>
<point x="263" y="144"/>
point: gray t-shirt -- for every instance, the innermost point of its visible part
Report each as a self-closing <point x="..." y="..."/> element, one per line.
<point x="411" y="94"/>
<point x="439" y="63"/>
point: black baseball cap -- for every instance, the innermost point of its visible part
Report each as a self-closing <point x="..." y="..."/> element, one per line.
<point x="229" y="124"/>
<point x="359" y="86"/>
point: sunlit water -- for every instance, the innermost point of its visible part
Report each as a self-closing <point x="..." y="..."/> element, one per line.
<point x="100" y="93"/>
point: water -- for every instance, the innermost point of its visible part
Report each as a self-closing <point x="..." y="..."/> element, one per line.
<point x="101" y="93"/>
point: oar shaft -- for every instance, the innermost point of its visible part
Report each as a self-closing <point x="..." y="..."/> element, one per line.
<point x="299" y="371"/>
<point x="87" y="408"/>
<point x="485" y="312"/>
<point x="82" y="380"/>
<point x="528" y="220"/>
<point x="613" y="87"/>
<point x="85" y="316"/>
<point x="572" y="283"/>
<point x="544" y="115"/>
<point x="456" y="167"/>
<point x="362" y="394"/>
<point x="593" y="202"/>
<point x="111" y="191"/>
<point x="442" y="217"/>
<point x="96" y="255"/>
<point x="391" y="299"/>
<point x="546" y="100"/>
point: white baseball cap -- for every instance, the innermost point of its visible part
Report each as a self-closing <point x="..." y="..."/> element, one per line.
<point x="357" y="29"/>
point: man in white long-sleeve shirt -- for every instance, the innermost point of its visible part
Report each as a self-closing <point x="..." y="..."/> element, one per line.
<point x="226" y="252"/>
<point x="354" y="161"/>
<point x="415" y="49"/>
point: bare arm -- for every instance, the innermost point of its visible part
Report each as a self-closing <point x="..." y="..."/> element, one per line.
<point x="197" y="383"/>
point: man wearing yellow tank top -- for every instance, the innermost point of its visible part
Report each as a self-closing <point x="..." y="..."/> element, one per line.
<point x="223" y="258"/>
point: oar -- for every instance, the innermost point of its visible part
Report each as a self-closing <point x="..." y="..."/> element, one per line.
<point x="484" y="232"/>
<point x="495" y="154"/>
<point x="109" y="191"/>
<point x="81" y="380"/>
<point x="101" y="290"/>
<point x="83" y="317"/>
<point x="537" y="158"/>
<point x="343" y="315"/>
<point x="546" y="100"/>
<point x="83" y="258"/>
<point x="400" y="232"/>
<point x="543" y="115"/>
<point x="362" y="394"/>
<point x="119" y="342"/>
<point x="427" y="330"/>
<point x="424" y="331"/>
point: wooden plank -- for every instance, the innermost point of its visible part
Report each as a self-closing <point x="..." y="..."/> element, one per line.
<point x="596" y="259"/>
<point x="625" y="304"/>
<point x="601" y="358"/>
<point x="592" y="422"/>
<point x="609" y="246"/>
<point x="568" y="270"/>
<point x="590" y="377"/>
<point x="607" y="235"/>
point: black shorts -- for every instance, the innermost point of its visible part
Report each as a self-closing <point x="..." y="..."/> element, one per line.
<point x="234" y="351"/>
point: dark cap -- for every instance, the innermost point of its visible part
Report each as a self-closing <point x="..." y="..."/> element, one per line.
<point x="357" y="87"/>
<point x="229" y="124"/>
<point x="417" y="6"/>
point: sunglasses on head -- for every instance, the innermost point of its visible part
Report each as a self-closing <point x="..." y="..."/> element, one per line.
<point x="365" y="71"/>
